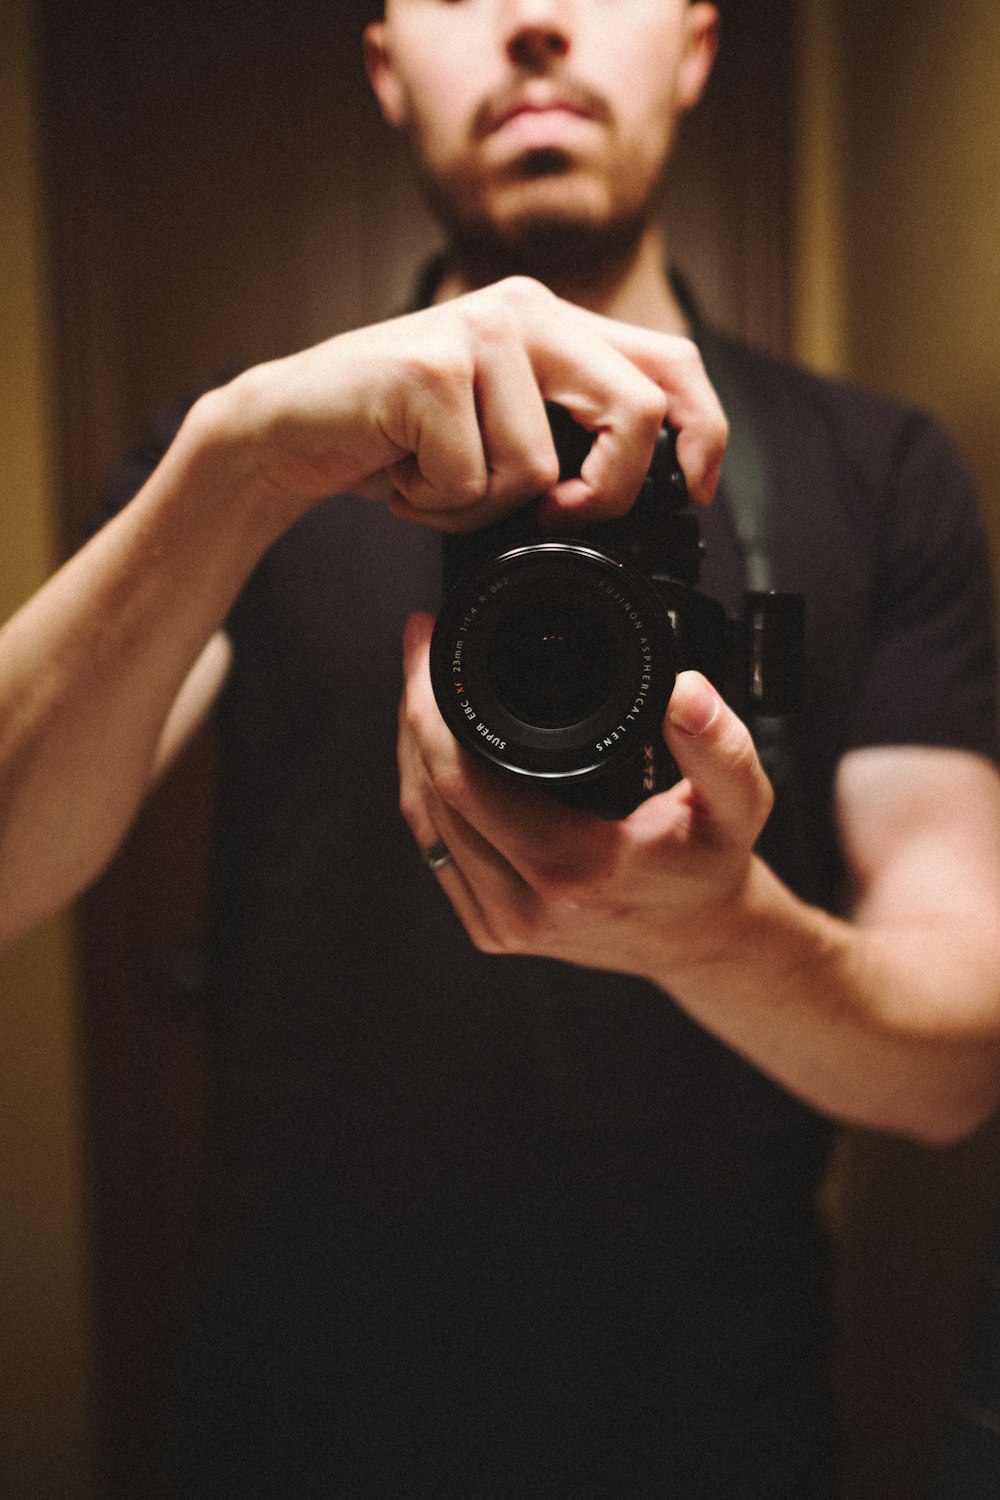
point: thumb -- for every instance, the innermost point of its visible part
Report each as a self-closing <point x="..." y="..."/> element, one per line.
<point x="715" y="753"/>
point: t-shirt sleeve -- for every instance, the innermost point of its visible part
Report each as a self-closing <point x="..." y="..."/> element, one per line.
<point x="930" y="676"/>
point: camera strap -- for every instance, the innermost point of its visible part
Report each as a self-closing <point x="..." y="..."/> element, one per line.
<point x="746" y="487"/>
<point x="745" y="475"/>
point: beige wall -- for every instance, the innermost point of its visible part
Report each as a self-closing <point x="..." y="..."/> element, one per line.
<point x="898" y="286"/>
<point x="817" y="238"/>
<point x="43" y="1337"/>
<point x="899" y="269"/>
<point x="924" y="239"/>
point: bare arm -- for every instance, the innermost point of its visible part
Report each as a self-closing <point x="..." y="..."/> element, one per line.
<point x="194" y="702"/>
<point x="891" y="1020"/>
<point x="91" y="667"/>
<point x="107" y="669"/>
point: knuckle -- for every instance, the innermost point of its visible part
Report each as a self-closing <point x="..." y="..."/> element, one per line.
<point x="503" y="928"/>
<point x="484" y="940"/>
<point x="440" y="368"/>
<point x="451" y="784"/>
<point x="509" y="305"/>
<point x="510" y="936"/>
<point x="557" y="883"/>
<point x="689" y="358"/>
<point x="567" y="890"/>
<point x="765" y="798"/>
<point x="409" y="807"/>
<point x="539" y="472"/>
<point x="468" y="490"/>
<point x="481" y="315"/>
<point x="583" y="880"/>
<point x="523" y="292"/>
<point x="409" y="714"/>
<point x="651" y="409"/>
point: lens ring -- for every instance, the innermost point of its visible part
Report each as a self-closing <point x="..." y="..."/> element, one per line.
<point x="624" y="633"/>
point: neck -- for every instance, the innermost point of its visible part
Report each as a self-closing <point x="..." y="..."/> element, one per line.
<point x="633" y="286"/>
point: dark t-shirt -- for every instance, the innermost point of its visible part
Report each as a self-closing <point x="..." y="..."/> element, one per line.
<point x="500" y="1226"/>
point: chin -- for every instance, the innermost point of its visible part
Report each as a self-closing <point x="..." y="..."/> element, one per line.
<point x="556" y="224"/>
<point x="550" y="201"/>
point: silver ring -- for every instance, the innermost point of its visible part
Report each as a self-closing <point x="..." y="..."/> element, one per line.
<point x="438" y="855"/>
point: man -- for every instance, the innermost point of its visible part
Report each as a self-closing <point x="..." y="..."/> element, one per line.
<point x="480" y="178"/>
<point x="536" y="1220"/>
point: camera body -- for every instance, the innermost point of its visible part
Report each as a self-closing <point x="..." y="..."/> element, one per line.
<point x="554" y="655"/>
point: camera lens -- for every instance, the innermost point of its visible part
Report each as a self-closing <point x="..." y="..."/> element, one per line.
<point x="554" y="661"/>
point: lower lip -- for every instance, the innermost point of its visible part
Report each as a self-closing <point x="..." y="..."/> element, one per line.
<point x="537" y="129"/>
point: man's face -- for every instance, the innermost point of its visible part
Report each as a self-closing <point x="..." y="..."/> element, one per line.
<point x="551" y="114"/>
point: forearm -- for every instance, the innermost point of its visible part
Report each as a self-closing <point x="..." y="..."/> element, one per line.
<point x="91" y="666"/>
<point x="891" y="1020"/>
<point x="892" y="1026"/>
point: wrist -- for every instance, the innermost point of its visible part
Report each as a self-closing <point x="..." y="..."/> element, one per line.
<point x="302" y="428"/>
<point x="760" y="936"/>
<point x="221" y="445"/>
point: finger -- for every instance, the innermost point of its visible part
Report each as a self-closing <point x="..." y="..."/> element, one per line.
<point x="520" y="449"/>
<point x="446" y="466"/>
<point x="521" y="839"/>
<point x="426" y="823"/>
<point x="431" y="760"/>
<point x="478" y="881"/>
<point x="491" y="900"/>
<point x="692" y="407"/>
<point x="425" y="819"/>
<point x="514" y="436"/>
<point x="623" y="409"/>
<point x="473" y="428"/>
<point x="715" y="753"/>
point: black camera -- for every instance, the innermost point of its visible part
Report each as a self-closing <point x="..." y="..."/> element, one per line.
<point x="554" y="656"/>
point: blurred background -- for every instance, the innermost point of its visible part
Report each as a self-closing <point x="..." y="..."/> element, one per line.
<point x="189" y="186"/>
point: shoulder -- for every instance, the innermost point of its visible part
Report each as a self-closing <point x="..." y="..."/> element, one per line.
<point x="888" y="467"/>
<point x="866" y="431"/>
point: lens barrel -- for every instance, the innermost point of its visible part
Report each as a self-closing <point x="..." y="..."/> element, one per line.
<point x="554" y="661"/>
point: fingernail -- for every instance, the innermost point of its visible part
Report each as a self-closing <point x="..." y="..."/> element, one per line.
<point x="693" y="705"/>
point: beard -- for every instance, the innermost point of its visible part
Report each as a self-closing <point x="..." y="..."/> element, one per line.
<point x="537" y="223"/>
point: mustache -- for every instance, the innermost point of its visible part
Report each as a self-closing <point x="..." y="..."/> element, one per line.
<point x="564" y="91"/>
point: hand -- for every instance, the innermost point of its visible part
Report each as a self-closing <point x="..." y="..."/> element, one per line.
<point x="442" y="411"/>
<point x="651" y="895"/>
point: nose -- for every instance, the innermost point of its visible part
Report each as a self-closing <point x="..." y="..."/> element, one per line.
<point x="538" y="32"/>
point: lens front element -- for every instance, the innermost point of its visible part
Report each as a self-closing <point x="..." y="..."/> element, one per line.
<point x="555" y="661"/>
<point x="551" y="661"/>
